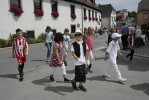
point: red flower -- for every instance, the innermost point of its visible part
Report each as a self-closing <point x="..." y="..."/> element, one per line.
<point x="16" y="10"/>
<point x="85" y="17"/>
<point x="38" y="12"/>
<point x="73" y="16"/>
<point x="55" y="14"/>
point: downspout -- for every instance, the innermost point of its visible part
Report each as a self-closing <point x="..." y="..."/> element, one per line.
<point x="82" y="17"/>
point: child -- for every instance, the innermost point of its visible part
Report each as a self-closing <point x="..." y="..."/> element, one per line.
<point x="130" y="40"/>
<point x="79" y="52"/>
<point x="88" y="40"/>
<point x="57" y="57"/>
<point x="67" y="43"/>
<point x="48" y="41"/>
<point x="111" y="55"/>
<point x="20" y="51"/>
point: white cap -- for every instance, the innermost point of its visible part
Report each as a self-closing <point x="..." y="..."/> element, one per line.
<point x="114" y="35"/>
<point x="78" y="31"/>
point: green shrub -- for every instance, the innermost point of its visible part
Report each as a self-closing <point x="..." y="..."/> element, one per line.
<point x="10" y="39"/>
<point x="72" y="35"/>
<point x="41" y="38"/>
<point x="3" y="43"/>
<point x="31" y="40"/>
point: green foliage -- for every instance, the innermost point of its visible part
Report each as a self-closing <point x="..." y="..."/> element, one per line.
<point x="10" y="39"/>
<point x="3" y="43"/>
<point x="72" y="35"/>
<point x="31" y="40"/>
<point x="41" y="38"/>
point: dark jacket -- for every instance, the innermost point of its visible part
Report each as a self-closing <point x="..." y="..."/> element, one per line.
<point x="77" y="48"/>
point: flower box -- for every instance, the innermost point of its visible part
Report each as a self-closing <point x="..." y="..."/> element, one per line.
<point x="96" y="19"/>
<point x="16" y="10"/>
<point x="90" y="18"/>
<point x="55" y="14"/>
<point x="93" y="18"/>
<point x="73" y="16"/>
<point x="38" y="12"/>
<point x="85" y="17"/>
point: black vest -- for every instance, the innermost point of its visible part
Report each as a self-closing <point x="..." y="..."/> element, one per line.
<point x="76" y="47"/>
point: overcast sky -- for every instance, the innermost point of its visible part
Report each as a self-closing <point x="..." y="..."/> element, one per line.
<point x="130" y="5"/>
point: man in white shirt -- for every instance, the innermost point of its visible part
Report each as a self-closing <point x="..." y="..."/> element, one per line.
<point x="111" y="55"/>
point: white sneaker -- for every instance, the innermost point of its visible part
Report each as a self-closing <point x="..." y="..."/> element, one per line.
<point x="122" y="79"/>
<point x="106" y="76"/>
<point x="126" y="58"/>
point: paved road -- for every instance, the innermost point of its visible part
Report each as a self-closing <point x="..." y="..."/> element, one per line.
<point x="36" y="85"/>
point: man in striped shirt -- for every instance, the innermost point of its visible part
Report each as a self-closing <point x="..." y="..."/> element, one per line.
<point x="20" y="51"/>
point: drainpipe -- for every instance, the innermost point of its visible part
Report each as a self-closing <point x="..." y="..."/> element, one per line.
<point x="82" y="17"/>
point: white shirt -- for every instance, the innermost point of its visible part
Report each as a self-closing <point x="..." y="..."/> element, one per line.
<point x="48" y="36"/>
<point x="82" y="57"/>
<point x="112" y="49"/>
<point x="66" y="40"/>
<point x="138" y="33"/>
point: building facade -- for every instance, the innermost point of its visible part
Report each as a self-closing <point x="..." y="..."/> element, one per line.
<point x="108" y="16"/>
<point x="32" y="16"/>
<point x="143" y="12"/>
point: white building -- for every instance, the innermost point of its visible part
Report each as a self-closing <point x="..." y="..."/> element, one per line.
<point x="108" y="16"/>
<point x="34" y="25"/>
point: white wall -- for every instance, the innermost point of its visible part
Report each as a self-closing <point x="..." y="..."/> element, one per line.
<point x="28" y="21"/>
<point x="105" y="22"/>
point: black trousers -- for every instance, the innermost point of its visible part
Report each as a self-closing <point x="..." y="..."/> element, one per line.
<point x="80" y="75"/>
<point x="20" y="69"/>
<point x="124" y="41"/>
<point x="130" y="54"/>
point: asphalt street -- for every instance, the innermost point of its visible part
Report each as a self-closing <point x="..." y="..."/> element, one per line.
<point x="36" y="85"/>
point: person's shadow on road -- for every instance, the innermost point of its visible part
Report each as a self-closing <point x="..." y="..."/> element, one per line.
<point x="48" y="86"/>
<point x="101" y="78"/>
<point x="143" y="87"/>
<point x="13" y="76"/>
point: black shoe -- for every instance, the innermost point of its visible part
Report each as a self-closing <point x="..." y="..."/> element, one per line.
<point x="52" y="79"/>
<point x="82" y="88"/>
<point x="66" y="80"/>
<point x="65" y="63"/>
<point x="21" y="79"/>
<point x="74" y="85"/>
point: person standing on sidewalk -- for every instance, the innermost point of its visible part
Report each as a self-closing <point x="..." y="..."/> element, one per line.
<point x="111" y="55"/>
<point x="80" y="54"/>
<point x="67" y="43"/>
<point x="48" y="41"/>
<point x="20" y="51"/>
<point x="57" y="57"/>
<point x="125" y="33"/>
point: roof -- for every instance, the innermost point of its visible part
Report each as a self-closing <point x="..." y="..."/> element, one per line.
<point x="106" y="10"/>
<point x="87" y="3"/>
<point x="143" y="5"/>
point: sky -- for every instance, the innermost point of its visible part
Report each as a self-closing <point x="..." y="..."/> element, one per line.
<point x="130" y="5"/>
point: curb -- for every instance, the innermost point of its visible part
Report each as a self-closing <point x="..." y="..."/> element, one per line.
<point x="11" y="47"/>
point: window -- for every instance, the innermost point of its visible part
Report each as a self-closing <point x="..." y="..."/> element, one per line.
<point x="38" y="4"/>
<point x="54" y="6"/>
<point x="30" y="34"/>
<point x="72" y="7"/>
<point x="54" y="31"/>
<point x="96" y="14"/>
<point x="16" y="3"/>
<point x="84" y="12"/>
<point x="89" y="13"/>
<point x="92" y="14"/>
<point x="73" y="28"/>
